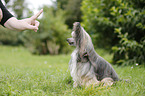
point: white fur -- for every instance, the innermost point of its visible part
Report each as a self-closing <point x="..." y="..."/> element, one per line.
<point x="73" y="66"/>
<point x="82" y="73"/>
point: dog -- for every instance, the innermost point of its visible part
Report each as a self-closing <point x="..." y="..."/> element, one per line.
<point x="86" y="66"/>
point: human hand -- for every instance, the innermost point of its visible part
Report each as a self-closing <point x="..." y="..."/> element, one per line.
<point x="32" y="23"/>
<point x="1" y="15"/>
<point x="24" y="24"/>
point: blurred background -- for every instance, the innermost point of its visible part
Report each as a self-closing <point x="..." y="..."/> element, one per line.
<point x="117" y="26"/>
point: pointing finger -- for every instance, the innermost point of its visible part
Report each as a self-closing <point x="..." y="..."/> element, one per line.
<point x="34" y="17"/>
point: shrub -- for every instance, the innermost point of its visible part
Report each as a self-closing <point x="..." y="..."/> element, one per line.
<point x="101" y="17"/>
<point x="127" y="18"/>
<point x="8" y="37"/>
<point x="129" y="52"/>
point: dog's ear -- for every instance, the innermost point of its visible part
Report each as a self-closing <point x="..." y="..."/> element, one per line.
<point x="76" y="26"/>
<point x="77" y="29"/>
<point x="78" y="34"/>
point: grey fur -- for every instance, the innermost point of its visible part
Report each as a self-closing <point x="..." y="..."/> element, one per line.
<point x="86" y="66"/>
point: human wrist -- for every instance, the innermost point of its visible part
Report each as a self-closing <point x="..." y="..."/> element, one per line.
<point x="14" y="24"/>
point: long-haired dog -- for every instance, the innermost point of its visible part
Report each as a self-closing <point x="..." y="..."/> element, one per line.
<point x="86" y="66"/>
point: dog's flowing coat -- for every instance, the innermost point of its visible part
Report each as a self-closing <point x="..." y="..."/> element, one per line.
<point x="86" y="66"/>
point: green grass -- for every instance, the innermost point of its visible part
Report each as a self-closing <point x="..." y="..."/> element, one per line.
<point x="24" y="74"/>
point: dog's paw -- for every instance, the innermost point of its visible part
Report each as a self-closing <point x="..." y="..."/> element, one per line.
<point x="107" y="81"/>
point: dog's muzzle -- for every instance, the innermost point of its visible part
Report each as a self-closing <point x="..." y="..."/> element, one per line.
<point x="71" y="41"/>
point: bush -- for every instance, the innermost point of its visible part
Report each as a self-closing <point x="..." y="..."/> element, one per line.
<point x="129" y="52"/>
<point x="102" y="17"/>
<point x="8" y="37"/>
<point x="51" y="38"/>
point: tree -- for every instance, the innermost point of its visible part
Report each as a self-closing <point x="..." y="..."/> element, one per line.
<point x="20" y="8"/>
<point x="62" y="4"/>
<point x="72" y="9"/>
<point x="73" y="12"/>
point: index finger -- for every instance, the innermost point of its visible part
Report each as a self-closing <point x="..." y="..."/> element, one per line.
<point x="37" y="15"/>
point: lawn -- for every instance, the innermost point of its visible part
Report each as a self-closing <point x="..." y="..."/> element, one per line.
<point x="24" y="74"/>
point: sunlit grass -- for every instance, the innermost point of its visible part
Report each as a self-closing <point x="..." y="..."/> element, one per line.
<point x="22" y="73"/>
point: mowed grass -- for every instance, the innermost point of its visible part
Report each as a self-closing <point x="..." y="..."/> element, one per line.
<point x="24" y="74"/>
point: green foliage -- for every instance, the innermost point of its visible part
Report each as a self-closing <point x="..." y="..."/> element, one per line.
<point x="129" y="52"/>
<point x="126" y="17"/>
<point x="101" y="17"/>
<point x="72" y="11"/>
<point x="23" y="74"/>
<point x="96" y="22"/>
<point x="51" y="38"/>
<point x="8" y="37"/>
<point x="20" y="8"/>
<point x="62" y="3"/>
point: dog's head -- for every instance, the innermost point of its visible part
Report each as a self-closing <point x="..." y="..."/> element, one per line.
<point x="82" y="41"/>
<point x="75" y="33"/>
<point x="80" y="37"/>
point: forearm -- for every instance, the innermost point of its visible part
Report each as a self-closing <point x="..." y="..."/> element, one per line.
<point x="10" y="22"/>
<point x="14" y="24"/>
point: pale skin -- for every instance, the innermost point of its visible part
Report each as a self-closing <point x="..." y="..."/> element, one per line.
<point x="24" y="24"/>
<point x="1" y="15"/>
